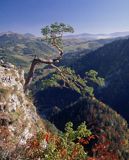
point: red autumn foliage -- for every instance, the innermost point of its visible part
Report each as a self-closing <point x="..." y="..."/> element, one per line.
<point x="101" y="150"/>
<point x="85" y="141"/>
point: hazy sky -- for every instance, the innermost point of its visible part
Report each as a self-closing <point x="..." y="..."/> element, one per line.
<point x="92" y="16"/>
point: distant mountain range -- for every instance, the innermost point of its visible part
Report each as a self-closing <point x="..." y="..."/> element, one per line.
<point x="88" y="36"/>
<point x="20" y="48"/>
<point x="28" y="35"/>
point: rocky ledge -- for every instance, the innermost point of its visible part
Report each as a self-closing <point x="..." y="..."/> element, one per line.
<point x="18" y="118"/>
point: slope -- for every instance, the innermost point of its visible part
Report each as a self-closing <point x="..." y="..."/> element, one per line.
<point x="111" y="62"/>
<point x="101" y="120"/>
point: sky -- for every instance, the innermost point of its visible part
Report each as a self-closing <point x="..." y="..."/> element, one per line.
<point x="86" y="16"/>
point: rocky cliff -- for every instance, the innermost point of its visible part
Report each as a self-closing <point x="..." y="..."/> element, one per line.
<point x="18" y="118"/>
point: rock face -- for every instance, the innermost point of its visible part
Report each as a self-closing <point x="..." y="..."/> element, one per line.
<point x="18" y="118"/>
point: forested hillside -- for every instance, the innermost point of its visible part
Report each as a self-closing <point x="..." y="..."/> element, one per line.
<point x="111" y="62"/>
<point x="101" y="120"/>
<point x="21" y="48"/>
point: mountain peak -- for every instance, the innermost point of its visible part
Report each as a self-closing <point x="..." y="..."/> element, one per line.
<point x="26" y="35"/>
<point x="29" y="35"/>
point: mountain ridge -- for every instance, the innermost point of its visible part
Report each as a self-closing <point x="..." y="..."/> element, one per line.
<point x="111" y="62"/>
<point x="80" y="35"/>
<point x="90" y="36"/>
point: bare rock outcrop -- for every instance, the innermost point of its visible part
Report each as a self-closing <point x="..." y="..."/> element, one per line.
<point x="18" y="118"/>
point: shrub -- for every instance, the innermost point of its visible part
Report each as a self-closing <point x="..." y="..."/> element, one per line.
<point x="64" y="146"/>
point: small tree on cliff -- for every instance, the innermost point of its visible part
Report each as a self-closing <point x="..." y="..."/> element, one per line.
<point x="53" y="35"/>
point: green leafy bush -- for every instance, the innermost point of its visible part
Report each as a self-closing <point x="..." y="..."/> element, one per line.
<point x="62" y="146"/>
